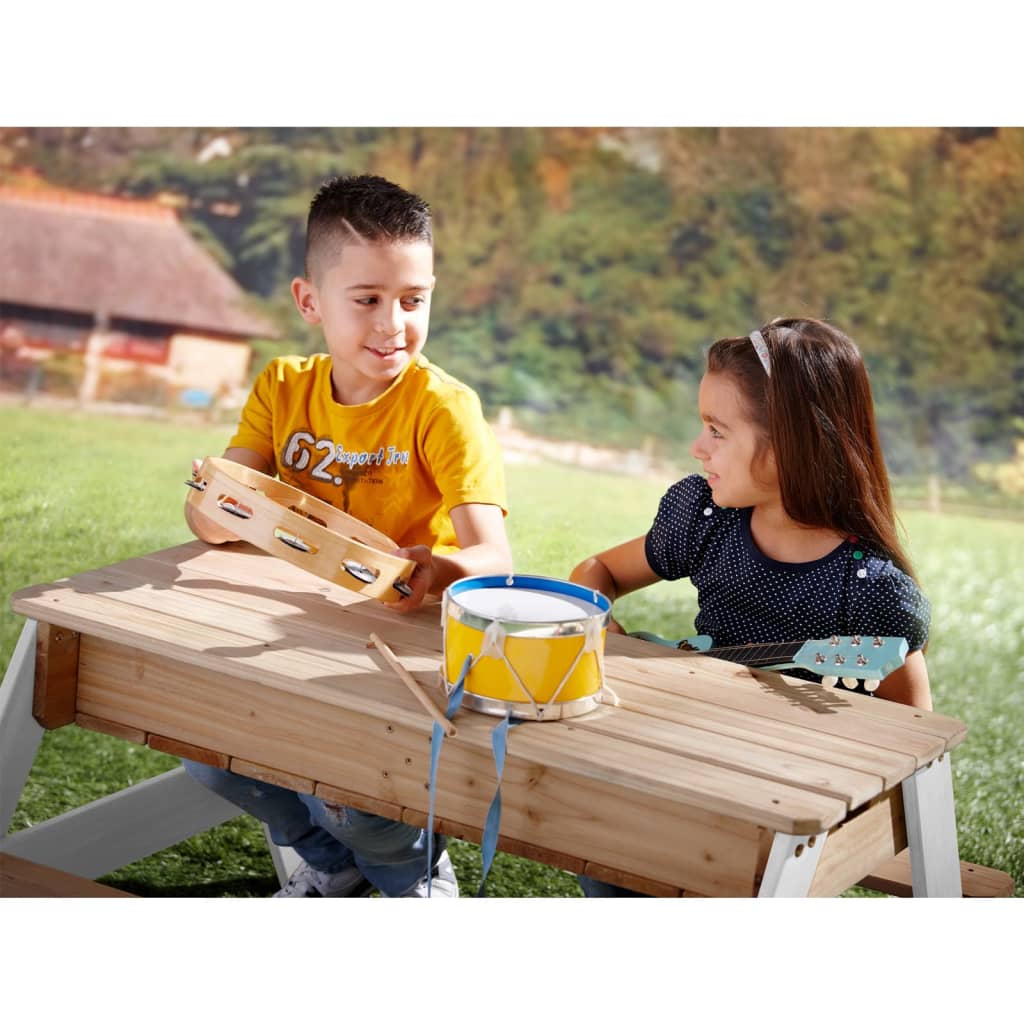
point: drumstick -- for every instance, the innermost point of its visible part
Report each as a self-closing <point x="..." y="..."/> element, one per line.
<point x="403" y="673"/>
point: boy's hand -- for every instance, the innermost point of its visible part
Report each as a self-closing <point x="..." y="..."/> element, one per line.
<point x="422" y="578"/>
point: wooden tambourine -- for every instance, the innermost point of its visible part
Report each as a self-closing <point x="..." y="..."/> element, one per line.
<point x="293" y="525"/>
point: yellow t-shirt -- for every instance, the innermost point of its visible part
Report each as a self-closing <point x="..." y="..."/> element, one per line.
<point x="398" y="463"/>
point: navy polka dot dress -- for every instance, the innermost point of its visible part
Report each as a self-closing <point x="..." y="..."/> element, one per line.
<point x="746" y="597"/>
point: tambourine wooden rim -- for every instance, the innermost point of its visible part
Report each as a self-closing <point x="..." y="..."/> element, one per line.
<point x="299" y="528"/>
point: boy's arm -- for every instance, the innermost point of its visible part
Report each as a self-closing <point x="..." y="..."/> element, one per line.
<point x="483" y="551"/>
<point x="204" y="527"/>
<point x="616" y="572"/>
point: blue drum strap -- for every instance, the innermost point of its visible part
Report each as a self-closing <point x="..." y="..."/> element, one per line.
<point x="499" y="744"/>
<point x="436" y="739"/>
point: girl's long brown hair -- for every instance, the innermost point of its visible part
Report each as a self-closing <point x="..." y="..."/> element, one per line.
<point x="817" y="414"/>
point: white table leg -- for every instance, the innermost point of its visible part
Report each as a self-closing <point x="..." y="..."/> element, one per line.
<point x="120" y="828"/>
<point x="931" y="830"/>
<point x="20" y="733"/>
<point x="791" y="864"/>
<point x="107" y="833"/>
<point x="285" y="859"/>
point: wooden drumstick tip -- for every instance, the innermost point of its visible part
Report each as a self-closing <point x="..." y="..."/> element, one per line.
<point x="403" y="673"/>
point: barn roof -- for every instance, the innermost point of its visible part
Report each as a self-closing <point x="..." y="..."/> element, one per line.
<point x="116" y="258"/>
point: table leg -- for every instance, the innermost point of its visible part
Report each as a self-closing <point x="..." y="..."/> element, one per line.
<point x="791" y="864"/>
<point x="931" y="830"/>
<point x="118" y="829"/>
<point x="107" y="833"/>
<point x="285" y="859"/>
<point x="20" y="733"/>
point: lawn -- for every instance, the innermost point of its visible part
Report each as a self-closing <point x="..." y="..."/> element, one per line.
<point x="79" y="491"/>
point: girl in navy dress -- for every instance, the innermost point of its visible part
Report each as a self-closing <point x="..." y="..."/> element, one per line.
<point x="789" y="534"/>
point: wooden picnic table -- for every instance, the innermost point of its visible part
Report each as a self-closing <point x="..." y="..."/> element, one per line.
<point x="696" y="777"/>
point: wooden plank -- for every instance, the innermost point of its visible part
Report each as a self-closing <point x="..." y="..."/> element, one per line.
<point x="184" y="628"/>
<point x="458" y="830"/>
<point x="977" y="881"/>
<point x="545" y="805"/>
<point x="711" y="671"/>
<point x="361" y="802"/>
<point x="122" y="732"/>
<point x="242" y="565"/>
<point x="640" y="885"/>
<point x="276" y="777"/>
<point x="664" y="667"/>
<point x="858" y="790"/>
<point x="322" y="630"/>
<point x="354" y="626"/>
<point x="723" y="791"/>
<point x="851" y="786"/>
<point x="859" y="843"/>
<point x="889" y="765"/>
<point x="20" y="878"/>
<point x="53" y="699"/>
<point x="219" y="652"/>
<point x="776" y="698"/>
<point x="194" y="753"/>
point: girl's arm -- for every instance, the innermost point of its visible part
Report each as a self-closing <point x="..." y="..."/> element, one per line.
<point x="616" y="572"/>
<point x="908" y="684"/>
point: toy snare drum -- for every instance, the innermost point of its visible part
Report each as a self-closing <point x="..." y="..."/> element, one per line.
<point x="537" y="645"/>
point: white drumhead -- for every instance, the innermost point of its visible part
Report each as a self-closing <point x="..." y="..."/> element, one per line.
<point x="513" y="604"/>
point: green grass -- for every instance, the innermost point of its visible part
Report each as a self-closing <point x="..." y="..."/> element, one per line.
<point x="80" y="491"/>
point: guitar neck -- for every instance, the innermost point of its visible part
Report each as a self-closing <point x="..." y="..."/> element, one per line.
<point x="758" y="655"/>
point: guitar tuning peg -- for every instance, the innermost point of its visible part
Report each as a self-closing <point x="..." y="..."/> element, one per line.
<point x="855" y="640"/>
<point x="834" y="641"/>
<point x="840" y="659"/>
<point x="877" y="642"/>
<point x="829" y="681"/>
<point x="871" y="684"/>
<point x="861" y="660"/>
<point x="850" y="682"/>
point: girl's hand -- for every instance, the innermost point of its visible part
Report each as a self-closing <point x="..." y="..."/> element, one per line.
<point x="421" y="580"/>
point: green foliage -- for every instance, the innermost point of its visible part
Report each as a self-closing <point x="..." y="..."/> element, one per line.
<point x="81" y="491"/>
<point x="1008" y="477"/>
<point x="581" y="272"/>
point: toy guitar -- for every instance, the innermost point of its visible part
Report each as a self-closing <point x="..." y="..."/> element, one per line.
<point x="852" y="658"/>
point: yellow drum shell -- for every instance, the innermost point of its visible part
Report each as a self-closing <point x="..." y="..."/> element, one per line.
<point x="530" y="646"/>
<point x="541" y="663"/>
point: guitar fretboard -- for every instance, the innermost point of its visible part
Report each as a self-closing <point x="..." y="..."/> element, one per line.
<point x="758" y="655"/>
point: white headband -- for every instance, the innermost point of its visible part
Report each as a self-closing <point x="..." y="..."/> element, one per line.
<point x="757" y="340"/>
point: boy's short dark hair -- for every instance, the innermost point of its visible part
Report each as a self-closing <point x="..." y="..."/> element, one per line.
<point x="361" y="208"/>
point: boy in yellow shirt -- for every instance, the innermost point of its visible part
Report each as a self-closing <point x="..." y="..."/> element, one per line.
<point x="378" y="431"/>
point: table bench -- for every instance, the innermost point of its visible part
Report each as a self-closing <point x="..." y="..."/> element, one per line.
<point x="696" y="777"/>
<point x="26" y="879"/>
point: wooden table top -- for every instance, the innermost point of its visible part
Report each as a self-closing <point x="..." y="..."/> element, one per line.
<point x="754" y="746"/>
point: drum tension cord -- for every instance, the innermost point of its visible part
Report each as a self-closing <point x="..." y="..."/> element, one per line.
<point x="499" y="746"/>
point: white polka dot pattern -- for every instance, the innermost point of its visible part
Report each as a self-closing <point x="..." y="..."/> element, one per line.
<point x="746" y="597"/>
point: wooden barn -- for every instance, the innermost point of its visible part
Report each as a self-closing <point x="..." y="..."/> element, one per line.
<point x="112" y="299"/>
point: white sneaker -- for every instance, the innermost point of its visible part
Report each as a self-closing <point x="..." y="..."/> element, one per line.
<point x="443" y="884"/>
<point x="307" y="881"/>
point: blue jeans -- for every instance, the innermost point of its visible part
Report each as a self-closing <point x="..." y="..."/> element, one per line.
<point x="326" y="836"/>
<point x="592" y="888"/>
